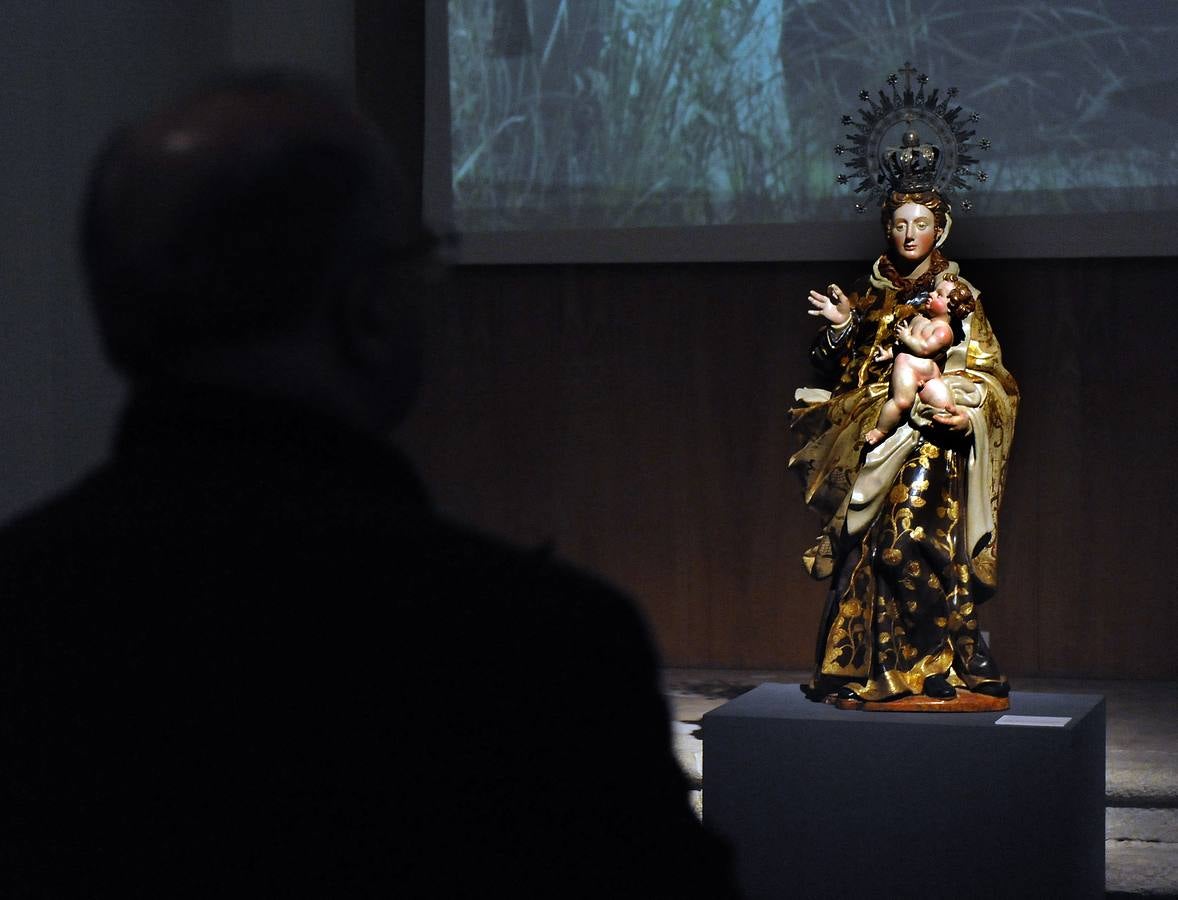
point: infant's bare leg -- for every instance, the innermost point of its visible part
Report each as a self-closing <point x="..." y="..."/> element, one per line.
<point x="936" y="393"/>
<point x="904" y="381"/>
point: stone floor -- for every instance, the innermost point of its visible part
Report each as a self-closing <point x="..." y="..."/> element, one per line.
<point x="1141" y="776"/>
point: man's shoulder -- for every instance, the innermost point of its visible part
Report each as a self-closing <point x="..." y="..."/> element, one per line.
<point x="467" y="545"/>
<point x="533" y="575"/>
<point x="112" y="526"/>
<point x="58" y="513"/>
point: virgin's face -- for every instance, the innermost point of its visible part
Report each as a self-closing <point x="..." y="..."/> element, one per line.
<point x="913" y="231"/>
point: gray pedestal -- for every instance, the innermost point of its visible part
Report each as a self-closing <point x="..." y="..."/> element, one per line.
<point x="822" y="802"/>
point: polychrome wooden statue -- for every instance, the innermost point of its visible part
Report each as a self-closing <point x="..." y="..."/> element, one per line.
<point x="903" y="452"/>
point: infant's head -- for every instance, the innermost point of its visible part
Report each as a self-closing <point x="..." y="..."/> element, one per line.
<point x="952" y="297"/>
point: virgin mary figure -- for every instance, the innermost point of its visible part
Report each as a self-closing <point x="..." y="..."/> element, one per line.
<point x="909" y="539"/>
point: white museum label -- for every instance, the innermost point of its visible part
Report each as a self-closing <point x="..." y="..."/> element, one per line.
<point x="1039" y="721"/>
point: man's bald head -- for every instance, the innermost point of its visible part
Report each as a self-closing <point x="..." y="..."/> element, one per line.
<point x="234" y="215"/>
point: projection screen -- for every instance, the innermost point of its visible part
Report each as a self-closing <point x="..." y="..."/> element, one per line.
<point x="669" y="130"/>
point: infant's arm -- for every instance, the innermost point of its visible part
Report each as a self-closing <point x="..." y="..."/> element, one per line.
<point x="927" y="339"/>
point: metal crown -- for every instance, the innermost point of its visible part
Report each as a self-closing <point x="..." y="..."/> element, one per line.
<point x="944" y="165"/>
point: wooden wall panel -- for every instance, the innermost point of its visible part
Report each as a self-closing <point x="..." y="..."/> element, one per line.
<point x="1088" y="538"/>
<point x="635" y="417"/>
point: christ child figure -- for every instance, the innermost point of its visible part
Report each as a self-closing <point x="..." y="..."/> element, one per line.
<point x="926" y="337"/>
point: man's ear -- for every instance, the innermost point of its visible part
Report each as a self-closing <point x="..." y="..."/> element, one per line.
<point x="379" y="339"/>
<point x="376" y="319"/>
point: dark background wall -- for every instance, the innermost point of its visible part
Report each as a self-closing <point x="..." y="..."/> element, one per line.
<point x="634" y="416"/>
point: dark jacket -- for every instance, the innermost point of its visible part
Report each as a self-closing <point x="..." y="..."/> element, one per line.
<point x="245" y="656"/>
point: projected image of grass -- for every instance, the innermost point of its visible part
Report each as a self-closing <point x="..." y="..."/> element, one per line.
<point x="586" y="113"/>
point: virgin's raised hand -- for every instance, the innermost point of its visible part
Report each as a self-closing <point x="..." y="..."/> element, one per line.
<point x="832" y="306"/>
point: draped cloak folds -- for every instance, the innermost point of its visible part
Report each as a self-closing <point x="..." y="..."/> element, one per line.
<point x="909" y="536"/>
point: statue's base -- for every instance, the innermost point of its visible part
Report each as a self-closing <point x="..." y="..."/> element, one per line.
<point x="815" y="800"/>
<point x="965" y="701"/>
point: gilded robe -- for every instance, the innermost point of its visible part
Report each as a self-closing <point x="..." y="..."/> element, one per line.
<point x="909" y="534"/>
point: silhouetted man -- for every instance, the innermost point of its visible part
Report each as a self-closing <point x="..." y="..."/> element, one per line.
<point x="244" y="657"/>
